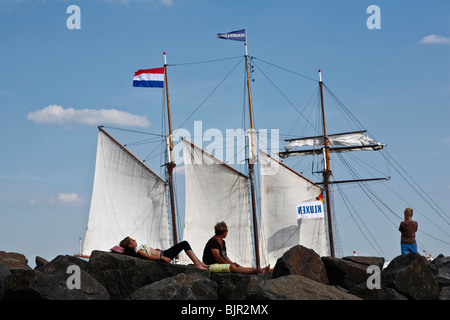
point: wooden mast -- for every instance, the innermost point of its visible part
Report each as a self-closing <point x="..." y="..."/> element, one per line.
<point x="251" y="163"/>
<point x="170" y="163"/>
<point x="327" y="171"/>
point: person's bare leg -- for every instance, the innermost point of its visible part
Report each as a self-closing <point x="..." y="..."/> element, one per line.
<point x="197" y="263"/>
<point x="238" y="269"/>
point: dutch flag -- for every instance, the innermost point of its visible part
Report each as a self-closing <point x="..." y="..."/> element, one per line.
<point x="153" y="78"/>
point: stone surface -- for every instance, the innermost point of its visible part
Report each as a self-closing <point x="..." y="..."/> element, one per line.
<point x="234" y="286"/>
<point x="50" y="282"/>
<point x="301" y="261"/>
<point x="442" y="265"/>
<point x="122" y="275"/>
<point x="180" y="287"/>
<point x="295" y="287"/>
<point x="345" y="273"/>
<point x="367" y="261"/>
<point x="116" y="276"/>
<point x="14" y="260"/>
<point x="411" y="275"/>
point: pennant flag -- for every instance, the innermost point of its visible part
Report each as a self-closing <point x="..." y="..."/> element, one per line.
<point x="150" y="78"/>
<point x="233" y="35"/>
<point x="320" y="197"/>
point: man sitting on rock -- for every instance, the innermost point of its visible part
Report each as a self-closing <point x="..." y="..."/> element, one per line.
<point x="131" y="248"/>
<point x="215" y="254"/>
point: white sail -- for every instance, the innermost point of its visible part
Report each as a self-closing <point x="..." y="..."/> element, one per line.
<point x="216" y="192"/>
<point x="358" y="138"/>
<point x="282" y="191"/>
<point x="128" y="199"/>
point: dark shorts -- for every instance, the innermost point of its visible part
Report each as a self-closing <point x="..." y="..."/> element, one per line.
<point x="408" y="248"/>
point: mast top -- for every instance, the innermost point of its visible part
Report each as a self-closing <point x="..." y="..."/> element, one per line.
<point x="165" y="59"/>
<point x="320" y="76"/>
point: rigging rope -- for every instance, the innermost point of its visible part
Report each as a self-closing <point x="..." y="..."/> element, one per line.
<point x="198" y="107"/>
<point x="287" y="99"/>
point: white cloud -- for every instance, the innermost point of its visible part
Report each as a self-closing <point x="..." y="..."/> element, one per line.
<point x="57" y="114"/>
<point x="435" y="39"/>
<point x="68" y="199"/>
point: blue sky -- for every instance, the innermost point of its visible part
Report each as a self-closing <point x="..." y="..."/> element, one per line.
<point x="57" y="85"/>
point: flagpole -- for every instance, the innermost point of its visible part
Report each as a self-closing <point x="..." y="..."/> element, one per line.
<point x="171" y="162"/>
<point x="252" y="160"/>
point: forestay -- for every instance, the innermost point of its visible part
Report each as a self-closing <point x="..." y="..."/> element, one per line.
<point x="216" y="192"/>
<point x="282" y="227"/>
<point x="128" y="199"/>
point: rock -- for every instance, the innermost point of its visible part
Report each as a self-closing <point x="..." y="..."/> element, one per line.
<point x="122" y="275"/>
<point x="411" y="275"/>
<point x="40" y="262"/>
<point x="296" y="287"/>
<point x="367" y="261"/>
<point x="61" y="263"/>
<point x="442" y="265"/>
<point x="19" y="285"/>
<point x="180" y="287"/>
<point x="13" y="260"/>
<point x="444" y="293"/>
<point x="4" y="273"/>
<point x="345" y="273"/>
<point x="301" y="261"/>
<point x="50" y="282"/>
<point x="363" y="292"/>
<point x="116" y="276"/>
<point x="233" y="286"/>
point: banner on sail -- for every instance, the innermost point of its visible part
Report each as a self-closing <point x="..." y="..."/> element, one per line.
<point x="310" y="210"/>
<point x="238" y="35"/>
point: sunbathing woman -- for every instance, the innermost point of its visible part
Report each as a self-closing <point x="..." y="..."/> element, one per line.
<point x="131" y="248"/>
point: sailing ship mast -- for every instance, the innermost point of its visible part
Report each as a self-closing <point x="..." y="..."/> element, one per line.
<point x="327" y="170"/>
<point x="350" y="141"/>
<point x="170" y="158"/>
<point x="251" y="162"/>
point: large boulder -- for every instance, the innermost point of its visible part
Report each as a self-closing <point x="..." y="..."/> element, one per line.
<point x="412" y="275"/>
<point x="363" y="292"/>
<point x="122" y="275"/>
<point x="344" y="273"/>
<point x="234" y="286"/>
<point x="366" y="261"/>
<point x="301" y="261"/>
<point x="14" y="260"/>
<point x="295" y="287"/>
<point x="180" y="287"/>
<point x="442" y="265"/>
<point x="51" y="282"/>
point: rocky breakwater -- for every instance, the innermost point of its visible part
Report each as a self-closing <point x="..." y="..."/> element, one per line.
<point x="300" y="274"/>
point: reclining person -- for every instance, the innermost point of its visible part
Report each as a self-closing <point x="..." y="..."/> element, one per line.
<point x="131" y="248"/>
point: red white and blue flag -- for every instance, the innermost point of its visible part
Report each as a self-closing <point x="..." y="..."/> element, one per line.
<point x="152" y="78"/>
